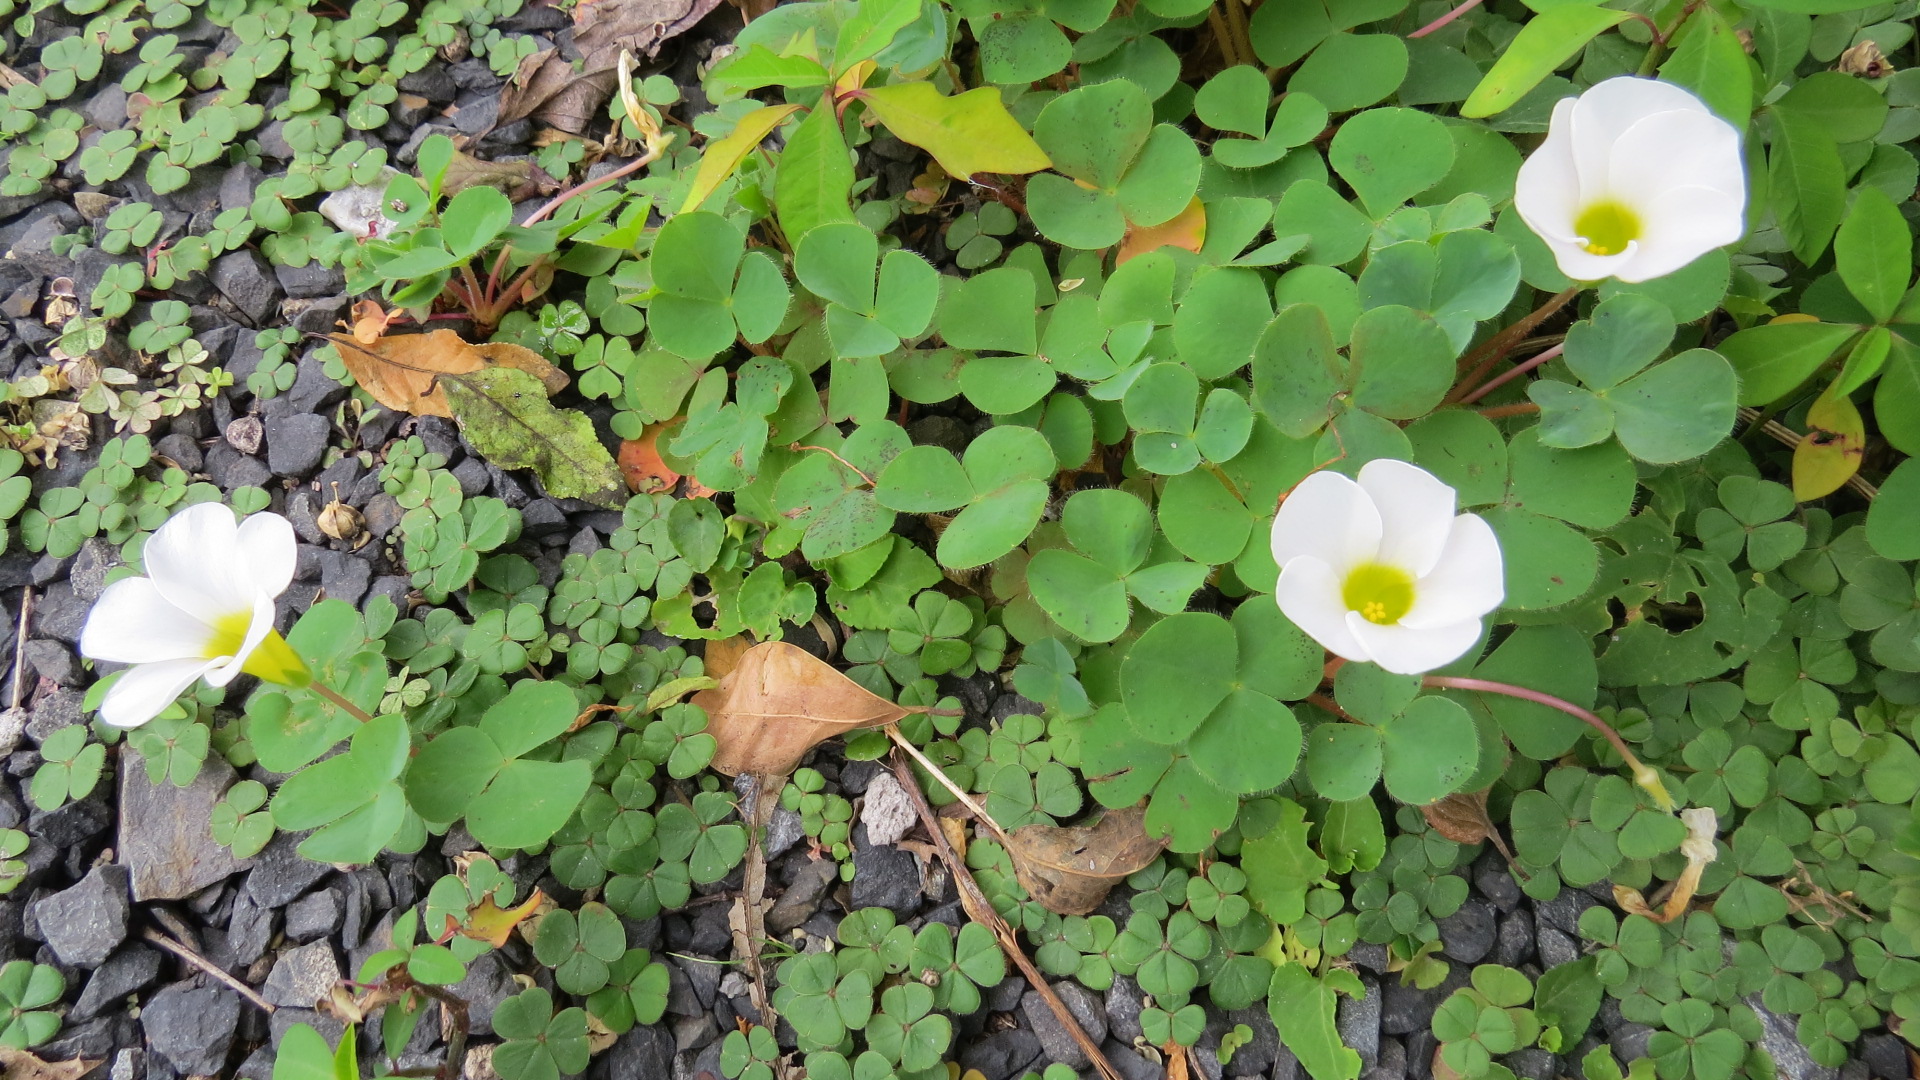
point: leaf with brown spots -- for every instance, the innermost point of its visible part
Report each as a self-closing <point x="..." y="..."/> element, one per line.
<point x="779" y="702"/>
<point x="1069" y="870"/>
<point x="401" y="371"/>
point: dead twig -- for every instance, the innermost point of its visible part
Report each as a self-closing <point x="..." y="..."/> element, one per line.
<point x="750" y="928"/>
<point x="981" y="911"/>
<point x="207" y="966"/>
<point x="20" y="644"/>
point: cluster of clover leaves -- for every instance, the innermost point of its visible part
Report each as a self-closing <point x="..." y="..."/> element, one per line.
<point x="1208" y="253"/>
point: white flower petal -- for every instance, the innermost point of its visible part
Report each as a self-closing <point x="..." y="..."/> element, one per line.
<point x="1467" y="582"/>
<point x="192" y="560"/>
<point x="1416" y="513"/>
<point x="257" y="631"/>
<point x="267" y="548"/>
<point x="1309" y="594"/>
<point x="1546" y="193"/>
<point x="143" y="691"/>
<point x="1672" y="149"/>
<point x="132" y="623"/>
<point x="1330" y="518"/>
<point x="1578" y="263"/>
<point x="1682" y="225"/>
<point x="1606" y="110"/>
<point x="1404" y="650"/>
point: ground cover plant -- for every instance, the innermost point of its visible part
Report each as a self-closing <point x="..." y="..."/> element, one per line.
<point x="1244" y="487"/>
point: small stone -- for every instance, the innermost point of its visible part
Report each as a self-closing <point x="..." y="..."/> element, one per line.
<point x="314" y="916"/>
<point x="885" y="877"/>
<point x="1004" y="1054"/>
<point x="887" y="811"/>
<point x="784" y="830"/>
<point x="60" y="709"/>
<point x="1131" y="1066"/>
<point x="344" y="576"/>
<point x="54" y="661"/>
<point x="1513" y="943"/>
<point x="644" y="1053"/>
<point x="303" y="977"/>
<point x="1494" y="880"/>
<point x="488" y="983"/>
<point x="1532" y="1063"/>
<point x="72" y="825"/>
<point x="1779" y="1038"/>
<point x="244" y="278"/>
<point x="801" y="898"/>
<point x="1886" y="1057"/>
<point x="1555" y="947"/>
<point x="541" y="517"/>
<point x="125" y="972"/>
<point x="1563" y="911"/>
<point x="164" y="837"/>
<point x="1468" y="934"/>
<point x="1057" y="1044"/>
<point x="281" y="874"/>
<point x="295" y="444"/>
<point x="229" y="469"/>
<point x="84" y="924"/>
<point x="1359" y="1023"/>
<point x="249" y="929"/>
<point x="96" y="557"/>
<point x="1256" y="1056"/>
<point x="1405" y="1009"/>
<point x="1123" y="1009"/>
<point x="245" y="434"/>
<point x="192" y="1026"/>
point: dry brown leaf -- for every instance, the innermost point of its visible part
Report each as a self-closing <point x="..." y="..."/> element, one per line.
<point x="1461" y="818"/>
<point x="1070" y="869"/>
<point x="723" y="655"/>
<point x="560" y="95"/>
<point x="956" y="831"/>
<point x="1177" y="1065"/>
<point x="517" y="180"/>
<point x="406" y="380"/>
<point x="20" y="1065"/>
<point x="640" y="462"/>
<point x="779" y="702"/>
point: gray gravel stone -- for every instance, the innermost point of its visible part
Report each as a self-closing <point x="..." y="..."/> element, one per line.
<point x="1406" y="1009"/>
<point x="1054" y="1039"/>
<point x="55" y="711"/>
<point x="84" y="924"/>
<point x="295" y="444"/>
<point x="303" y="976"/>
<point x="1468" y="934"/>
<point x="1257" y="1055"/>
<point x="1555" y="947"/>
<point x="1513" y="942"/>
<point x="192" y="1026"/>
<point x="488" y="983"/>
<point x="884" y="877"/>
<point x="53" y="660"/>
<point x="1780" y="1039"/>
<point x="1123" y="1009"/>
<point x="129" y="970"/>
<point x="1004" y="1054"/>
<point x="644" y="1053"/>
<point x="314" y="916"/>
<point x="1886" y="1057"/>
<point x="95" y="558"/>
<point x="1359" y="1023"/>
<point x="164" y="836"/>
<point x="1563" y="911"/>
<point x="281" y="875"/>
<point x="801" y="898"/>
<point x="244" y="278"/>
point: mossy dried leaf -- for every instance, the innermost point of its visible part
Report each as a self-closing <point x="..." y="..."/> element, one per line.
<point x="505" y="414"/>
<point x="1069" y="870"/>
<point x="779" y="702"/>
<point x="403" y="371"/>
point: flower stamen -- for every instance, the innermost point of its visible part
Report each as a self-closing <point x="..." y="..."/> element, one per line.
<point x="1381" y="594"/>
<point x="1607" y="227"/>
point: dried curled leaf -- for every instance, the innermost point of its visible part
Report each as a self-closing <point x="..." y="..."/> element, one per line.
<point x="1070" y="870"/>
<point x="1461" y="817"/>
<point x="640" y="462"/>
<point x="492" y="923"/>
<point x="20" y="1065"/>
<point x="505" y="414"/>
<point x="779" y="702"/>
<point x="403" y="371"/>
<point x="567" y="94"/>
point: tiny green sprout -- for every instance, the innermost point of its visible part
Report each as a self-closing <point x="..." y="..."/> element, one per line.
<point x="71" y="769"/>
<point x="238" y="821"/>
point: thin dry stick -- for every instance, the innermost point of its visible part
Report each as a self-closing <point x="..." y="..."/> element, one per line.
<point x="981" y="911"/>
<point x="966" y="800"/>
<point x="207" y="966"/>
<point x="20" y="643"/>
<point x="753" y="929"/>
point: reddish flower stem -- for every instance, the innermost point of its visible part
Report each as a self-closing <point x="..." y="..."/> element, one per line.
<point x="1642" y="775"/>
<point x="1445" y="19"/>
<point x="1512" y="373"/>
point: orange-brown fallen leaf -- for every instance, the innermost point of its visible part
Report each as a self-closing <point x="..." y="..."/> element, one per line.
<point x="779" y="702"/>
<point x="723" y="655"/>
<point x="20" y="1065"/>
<point x="401" y="371"/>
<point x="568" y="93"/>
<point x="642" y="465"/>
<point x="370" y="322"/>
<point x="1187" y="230"/>
<point x="1070" y="870"/>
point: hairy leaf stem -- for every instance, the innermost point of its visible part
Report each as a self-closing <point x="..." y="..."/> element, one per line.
<point x="1512" y="373"/>
<point x="331" y="695"/>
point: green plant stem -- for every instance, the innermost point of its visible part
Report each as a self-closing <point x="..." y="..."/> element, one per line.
<point x="1657" y="49"/>
<point x="327" y="692"/>
<point x="555" y="203"/>
<point x="1642" y="775"/>
<point x="1512" y="373"/>
<point x="1242" y="36"/>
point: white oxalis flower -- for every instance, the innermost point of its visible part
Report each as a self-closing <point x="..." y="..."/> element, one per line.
<point x="1636" y="179"/>
<point x="205" y="609"/>
<point x="1382" y="569"/>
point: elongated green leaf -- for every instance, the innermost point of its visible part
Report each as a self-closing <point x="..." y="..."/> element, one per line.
<point x="1303" y="1008"/>
<point x="1709" y="61"/>
<point x="815" y="178"/>
<point x="967" y="133"/>
<point x="505" y="414"/>
<point x="1773" y="359"/>
<point x="872" y="28"/>
<point x="1808" y="183"/>
<point x="1874" y="252"/>
<point x="724" y="155"/>
<point x="1549" y="39"/>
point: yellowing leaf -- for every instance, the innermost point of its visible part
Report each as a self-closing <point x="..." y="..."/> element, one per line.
<point x="1187" y="230"/>
<point x="493" y="924"/>
<point x="402" y="371"/>
<point x="505" y="414"/>
<point x="640" y="462"/>
<point x="724" y="155"/>
<point x="966" y="133"/>
<point x="1830" y="454"/>
<point x="778" y="702"/>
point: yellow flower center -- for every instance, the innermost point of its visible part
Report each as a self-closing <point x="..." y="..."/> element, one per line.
<point x="1607" y="227"/>
<point x="273" y="660"/>
<point x="1381" y="594"/>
